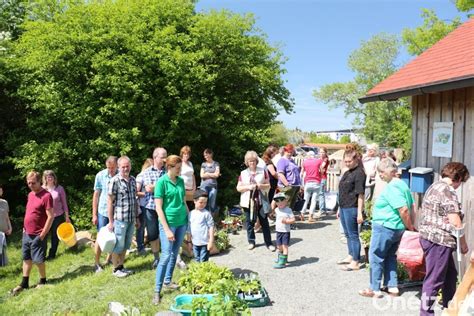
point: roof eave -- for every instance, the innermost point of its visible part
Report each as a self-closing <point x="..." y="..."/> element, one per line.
<point x="425" y="89"/>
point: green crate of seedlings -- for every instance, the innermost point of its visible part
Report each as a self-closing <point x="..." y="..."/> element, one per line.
<point x="255" y="299"/>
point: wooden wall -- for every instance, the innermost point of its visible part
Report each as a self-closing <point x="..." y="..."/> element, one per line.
<point x="450" y="106"/>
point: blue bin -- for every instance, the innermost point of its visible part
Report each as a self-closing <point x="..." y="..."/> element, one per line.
<point x="421" y="179"/>
<point x="403" y="170"/>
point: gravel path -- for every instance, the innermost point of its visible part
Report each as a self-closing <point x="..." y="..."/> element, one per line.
<point x="313" y="284"/>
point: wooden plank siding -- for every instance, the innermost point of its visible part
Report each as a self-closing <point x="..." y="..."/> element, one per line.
<point x="455" y="106"/>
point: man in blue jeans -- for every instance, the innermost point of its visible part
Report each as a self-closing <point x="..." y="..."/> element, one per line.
<point x="99" y="204"/>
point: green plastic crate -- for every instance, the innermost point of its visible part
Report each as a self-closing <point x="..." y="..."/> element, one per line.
<point x="258" y="302"/>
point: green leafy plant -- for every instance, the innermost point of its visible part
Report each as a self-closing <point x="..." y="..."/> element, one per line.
<point x="402" y="273"/>
<point x="222" y="240"/>
<point x="365" y="237"/>
<point x="205" y="278"/>
<point x="251" y="286"/>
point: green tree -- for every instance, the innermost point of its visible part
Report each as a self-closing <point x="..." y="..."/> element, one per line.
<point x="387" y="123"/>
<point x="345" y="139"/>
<point x="320" y="139"/>
<point x="122" y="77"/>
<point x="421" y="38"/>
<point x="278" y="134"/>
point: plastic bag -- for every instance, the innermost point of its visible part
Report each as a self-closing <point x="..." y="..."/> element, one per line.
<point x="410" y="254"/>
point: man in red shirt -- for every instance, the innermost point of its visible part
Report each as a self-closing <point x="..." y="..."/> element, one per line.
<point x="38" y="219"/>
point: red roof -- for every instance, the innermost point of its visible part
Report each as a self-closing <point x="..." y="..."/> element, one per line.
<point x="449" y="60"/>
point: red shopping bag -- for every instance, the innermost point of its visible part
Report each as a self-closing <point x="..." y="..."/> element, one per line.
<point x="410" y="254"/>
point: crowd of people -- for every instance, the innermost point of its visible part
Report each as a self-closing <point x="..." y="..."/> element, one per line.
<point x="165" y="201"/>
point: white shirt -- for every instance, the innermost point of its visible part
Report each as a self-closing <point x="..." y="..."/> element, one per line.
<point x="187" y="172"/>
<point x="281" y="214"/>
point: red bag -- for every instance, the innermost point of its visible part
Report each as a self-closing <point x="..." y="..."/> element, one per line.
<point x="410" y="254"/>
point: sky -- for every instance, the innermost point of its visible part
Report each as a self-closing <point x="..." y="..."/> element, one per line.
<point x="317" y="37"/>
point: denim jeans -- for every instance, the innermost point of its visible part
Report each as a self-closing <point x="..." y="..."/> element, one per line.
<point x="351" y="231"/>
<point x="151" y="221"/>
<point x="201" y="254"/>
<point x="250" y="224"/>
<point x="211" y="198"/>
<point x="311" y="191"/>
<point x="169" y="253"/>
<point x="383" y="256"/>
<point x="322" y="196"/>
<point x="140" y="233"/>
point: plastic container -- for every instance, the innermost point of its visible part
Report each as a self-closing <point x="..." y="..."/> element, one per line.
<point x="106" y="239"/>
<point x="259" y="300"/>
<point x="187" y="299"/>
<point x="67" y="234"/>
<point x="421" y="179"/>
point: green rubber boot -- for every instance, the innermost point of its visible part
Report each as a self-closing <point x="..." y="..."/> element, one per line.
<point x="281" y="262"/>
<point x="278" y="258"/>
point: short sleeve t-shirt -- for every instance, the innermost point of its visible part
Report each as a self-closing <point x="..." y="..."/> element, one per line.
<point x="172" y="195"/>
<point x="281" y="214"/>
<point x="351" y="185"/>
<point x="311" y="168"/>
<point x="395" y="195"/>
<point x="200" y="222"/>
<point x="187" y="172"/>
<point x="209" y="168"/>
<point x="36" y="216"/>
<point x="290" y="170"/>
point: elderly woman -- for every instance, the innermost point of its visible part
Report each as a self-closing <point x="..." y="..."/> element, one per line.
<point x="173" y="214"/>
<point x="390" y="218"/>
<point x="210" y="171"/>
<point x="61" y="210"/>
<point x="289" y="180"/>
<point x="441" y="215"/>
<point x="351" y="204"/>
<point x="253" y="185"/>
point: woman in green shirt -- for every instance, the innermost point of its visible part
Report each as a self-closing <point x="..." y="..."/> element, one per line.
<point x="173" y="215"/>
<point x="390" y="218"/>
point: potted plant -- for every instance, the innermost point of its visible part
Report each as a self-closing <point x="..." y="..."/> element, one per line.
<point x="365" y="237"/>
<point x="251" y="291"/>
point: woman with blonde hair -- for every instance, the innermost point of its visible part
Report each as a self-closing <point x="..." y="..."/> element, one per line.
<point x="60" y="207"/>
<point x="253" y="184"/>
<point x="173" y="214"/>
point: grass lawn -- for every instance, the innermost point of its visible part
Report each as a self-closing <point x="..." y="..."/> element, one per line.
<point x="74" y="288"/>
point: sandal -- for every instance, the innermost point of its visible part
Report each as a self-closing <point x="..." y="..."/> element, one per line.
<point x="394" y="292"/>
<point x="16" y="290"/>
<point x="347" y="268"/>
<point x="370" y="293"/>
<point x="343" y="261"/>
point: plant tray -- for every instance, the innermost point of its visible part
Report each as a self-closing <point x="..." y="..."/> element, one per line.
<point x="260" y="301"/>
<point x="186" y="299"/>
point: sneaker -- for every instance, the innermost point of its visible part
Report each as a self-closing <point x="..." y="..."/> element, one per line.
<point x="98" y="268"/>
<point x="156" y="299"/>
<point x="251" y="246"/>
<point x="127" y="271"/>
<point x="271" y="248"/>
<point x="171" y="286"/>
<point x="119" y="274"/>
<point x="16" y="290"/>
<point x="154" y="264"/>
<point x="181" y="265"/>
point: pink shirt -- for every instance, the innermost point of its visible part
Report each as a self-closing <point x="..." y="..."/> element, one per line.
<point x="59" y="200"/>
<point x="36" y="216"/>
<point x="311" y="167"/>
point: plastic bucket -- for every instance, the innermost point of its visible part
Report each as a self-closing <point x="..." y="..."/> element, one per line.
<point x="67" y="234"/>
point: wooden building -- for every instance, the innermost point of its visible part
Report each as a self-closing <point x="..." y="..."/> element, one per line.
<point x="440" y="83"/>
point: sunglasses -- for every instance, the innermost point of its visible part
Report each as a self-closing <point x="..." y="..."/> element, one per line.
<point x="279" y="200"/>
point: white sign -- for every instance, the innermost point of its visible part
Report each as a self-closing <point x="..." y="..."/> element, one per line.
<point x="442" y="139"/>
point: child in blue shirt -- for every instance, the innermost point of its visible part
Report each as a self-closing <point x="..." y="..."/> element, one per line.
<point x="284" y="218"/>
<point x="201" y="226"/>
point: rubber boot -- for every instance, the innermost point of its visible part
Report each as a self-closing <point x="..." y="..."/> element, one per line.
<point x="281" y="262"/>
<point x="278" y="257"/>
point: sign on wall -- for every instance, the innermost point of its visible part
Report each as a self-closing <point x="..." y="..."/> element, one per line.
<point x="442" y="139"/>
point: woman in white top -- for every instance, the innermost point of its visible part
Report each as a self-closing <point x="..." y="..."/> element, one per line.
<point x="187" y="173"/>
<point x="370" y="160"/>
<point x="253" y="182"/>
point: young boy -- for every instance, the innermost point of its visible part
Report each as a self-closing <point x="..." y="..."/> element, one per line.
<point x="284" y="218"/>
<point x="201" y="226"/>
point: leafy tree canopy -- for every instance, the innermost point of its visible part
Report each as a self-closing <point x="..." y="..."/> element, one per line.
<point x="387" y="123"/>
<point x="121" y="77"/>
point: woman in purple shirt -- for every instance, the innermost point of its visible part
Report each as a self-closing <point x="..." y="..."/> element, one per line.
<point x="289" y="180"/>
<point x="61" y="210"/>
